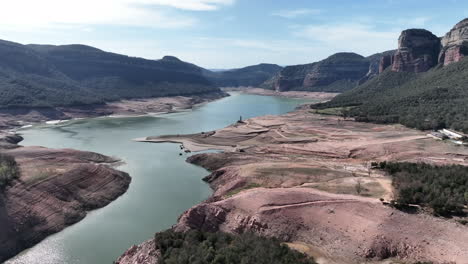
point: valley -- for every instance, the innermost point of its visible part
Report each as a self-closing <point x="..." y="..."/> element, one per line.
<point x="163" y="185"/>
<point x="352" y="149"/>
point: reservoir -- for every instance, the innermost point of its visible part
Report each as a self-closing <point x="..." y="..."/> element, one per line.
<point x="163" y="184"/>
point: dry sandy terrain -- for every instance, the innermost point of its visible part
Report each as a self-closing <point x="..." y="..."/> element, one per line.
<point x="322" y="96"/>
<point x="294" y="177"/>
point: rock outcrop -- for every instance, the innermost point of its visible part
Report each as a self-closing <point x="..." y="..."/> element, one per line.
<point x="418" y="51"/>
<point x="375" y="64"/>
<point x="455" y="44"/>
<point x="144" y="253"/>
<point x="385" y="62"/>
<point x="336" y="73"/>
<point x="56" y="188"/>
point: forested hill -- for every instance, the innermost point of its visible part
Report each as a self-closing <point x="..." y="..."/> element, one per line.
<point x="430" y="100"/>
<point x="337" y="73"/>
<point x="47" y="76"/>
<point x="248" y="76"/>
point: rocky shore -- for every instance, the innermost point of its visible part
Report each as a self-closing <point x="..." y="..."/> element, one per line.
<point x="55" y="189"/>
<point x="320" y="96"/>
<point x="294" y="177"/>
<point x="11" y="118"/>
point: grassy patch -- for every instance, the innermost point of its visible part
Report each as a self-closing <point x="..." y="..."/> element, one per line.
<point x="335" y="111"/>
<point x="238" y="190"/>
<point x="366" y="189"/>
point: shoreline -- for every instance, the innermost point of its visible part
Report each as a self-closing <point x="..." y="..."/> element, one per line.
<point x="20" y="118"/>
<point x="270" y="180"/>
<point x="95" y="170"/>
<point x="322" y="96"/>
<point x="34" y="205"/>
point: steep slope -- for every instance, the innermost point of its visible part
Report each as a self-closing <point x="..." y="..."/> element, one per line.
<point x="374" y="64"/>
<point x="455" y="43"/>
<point x="114" y="76"/>
<point x="337" y="73"/>
<point x="418" y="51"/>
<point x="430" y="100"/>
<point x="27" y="78"/>
<point x="48" y="76"/>
<point x="248" y="76"/>
<point x="424" y="84"/>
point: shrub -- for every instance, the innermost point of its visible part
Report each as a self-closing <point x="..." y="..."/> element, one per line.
<point x="8" y="170"/>
<point x="216" y="248"/>
<point x="442" y="188"/>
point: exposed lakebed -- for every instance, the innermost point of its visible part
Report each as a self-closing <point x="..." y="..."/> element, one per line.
<point x="163" y="184"/>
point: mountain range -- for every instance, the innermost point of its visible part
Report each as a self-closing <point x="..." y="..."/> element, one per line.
<point x="248" y="76"/>
<point x="421" y="84"/>
<point x="70" y="75"/>
<point x="338" y="73"/>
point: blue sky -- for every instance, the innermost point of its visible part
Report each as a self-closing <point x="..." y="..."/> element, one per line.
<point x="227" y="33"/>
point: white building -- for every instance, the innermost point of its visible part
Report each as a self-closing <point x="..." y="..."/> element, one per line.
<point x="452" y="134"/>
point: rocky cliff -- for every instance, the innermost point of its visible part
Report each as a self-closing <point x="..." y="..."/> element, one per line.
<point x="375" y="64"/>
<point x="336" y="73"/>
<point x="55" y="188"/>
<point x="418" y="51"/>
<point x="385" y="62"/>
<point x="455" y="44"/>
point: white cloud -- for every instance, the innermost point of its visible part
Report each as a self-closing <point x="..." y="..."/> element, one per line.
<point x="415" y="21"/>
<point x="297" y="12"/>
<point x="144" y="13"/>
<point x="360" y="38"/>
<point x="195" y="5"/>
<point x="239" y="52"/>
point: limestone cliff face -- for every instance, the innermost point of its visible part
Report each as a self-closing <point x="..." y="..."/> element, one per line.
<point x="374" y="66"/>
<point x="455" y="44"/>
<point x="336" y="73"/>
<point x="292" y="77"/>
<point x="385" y="62"/>
<point x="418" y="51"/>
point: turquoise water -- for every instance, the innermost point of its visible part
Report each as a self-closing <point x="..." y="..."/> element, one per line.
<point x="163" y="184"/>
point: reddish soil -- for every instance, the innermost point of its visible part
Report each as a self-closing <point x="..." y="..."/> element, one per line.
<point x="56" y="188"/>
<point x="274" y="171"/>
